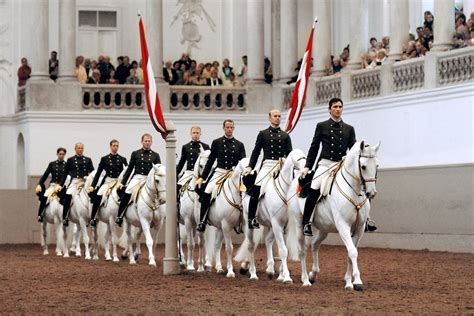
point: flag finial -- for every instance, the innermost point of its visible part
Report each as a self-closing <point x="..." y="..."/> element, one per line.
<point x="315" y="21"/>
<point x="139" y="13"/>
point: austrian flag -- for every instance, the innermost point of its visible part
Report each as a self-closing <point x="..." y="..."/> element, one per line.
<point x="152" y="99"/>
<point x="297" y="100"/>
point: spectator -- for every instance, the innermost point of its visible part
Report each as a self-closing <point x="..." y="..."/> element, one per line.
<point x="427" y="37"/>
<point x="80" y="71"/>
<point x="87" y="66"/>
<point x="180" y="69"/>
<point x="93" y="67"/>
<point x="133" y="78"/>
<point x="185" y="60"/>
<point x="206" y="73"/>
<point x="192" y="67"/>
<point x="233" y="81"/>
<point x="373" y="46"/>
<point x="344" y="57"/>
<point x="385" y="43"/>
<point x="335" y="65"/>
<point x="198" y="79"/>
<point x="95" y="79"/>
<point x="420" y="50"/>
<point x="111" y="79"/>
<point x="243" y="70"/>
<point x="139" y="70"/>
<point x="169" y="74"/>
<point x="410" y="51"/>
<point x="214" y="80"/>
<point x="104" y="68"/>
<point x="215" y="65"/>
<point x="429" y="18"/>
<point x="123" y="70"/>
<point x="187" y="78"/>
<point x="411" y="37"/>
<point x="53" y="65"/>
<point x="24" y="72"/>
<point x="380" y="58"/>
<point x="226" y="69"/>
<point x="368" y="59"/>
<point x="419" y="33"/>
<point x="267" y="67"/>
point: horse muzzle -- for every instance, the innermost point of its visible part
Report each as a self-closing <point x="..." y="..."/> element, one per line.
<point x="371" y="194"/>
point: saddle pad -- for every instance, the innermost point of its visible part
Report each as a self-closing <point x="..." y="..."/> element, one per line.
<point x="328" y="178"/>
<point x="108" y="192"/>
<point x="136" y="192"/>
<point x="220" y="183"/>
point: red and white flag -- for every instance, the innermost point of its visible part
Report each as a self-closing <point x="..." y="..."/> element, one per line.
<point x="297" y="100"/>
<point x="152" y="99"/>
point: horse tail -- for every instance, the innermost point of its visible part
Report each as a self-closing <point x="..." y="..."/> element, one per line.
<point x="243" y="254"/>
<point x="123" y="240"/>
<point x="292" y="237"/>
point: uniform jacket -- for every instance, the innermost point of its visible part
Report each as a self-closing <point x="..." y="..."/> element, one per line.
<point x="141" y="161"/>
<point x="275" y="144"/>
<point x="113" y="166"/>
<point x="227" y="151"/>
<point x="77" y="167"/>
<point x="56" y="169"/>
<point x="189" y="153"/>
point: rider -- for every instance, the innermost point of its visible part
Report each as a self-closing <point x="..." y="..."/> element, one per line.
<point x="78" y="167"/>
<point x="189" y="154"/>
<point x="228" y="151"/>
<point x="336" y="138"/>
<point x="113" y="165"/>
<point x="275" y="144"/>
<point x="56" y="169"/>
<point x="141" y="161"/>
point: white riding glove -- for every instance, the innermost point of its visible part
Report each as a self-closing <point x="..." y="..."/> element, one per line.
<point x="304" y="172"/>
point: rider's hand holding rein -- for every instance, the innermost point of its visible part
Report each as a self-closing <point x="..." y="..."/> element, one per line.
<point x="247" y="171"/>
<point x="38" y="188"/>
<point x="90" y="189"/>
<point x="199" y="182"/>
<point x="304" y="173"/>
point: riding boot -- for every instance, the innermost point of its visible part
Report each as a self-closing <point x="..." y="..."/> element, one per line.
<point x="205" y="203"/>
<point x="95" y="209"/>
<point x="42" y="205"/>
<point x="370" y="225"/>
<point x="66" y="205"/>
<point x="122" y="208"/>
<point x="311" y="201"/>
<point x="253" y="224"/>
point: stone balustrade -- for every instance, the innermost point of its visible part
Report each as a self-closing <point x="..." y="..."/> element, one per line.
<point x="207" y="98"/>
<point x="408" y="74"/>
<point x="21" y="99"/>
<point x="365" y="83"/>
<point x="287" y="91"/>
<point x="107" y="96"/>
<point x="327" y="88"/>
<point x="455" y="66"/>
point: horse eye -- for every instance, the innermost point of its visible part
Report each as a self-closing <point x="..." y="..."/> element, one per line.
<point x="363" y="167"/>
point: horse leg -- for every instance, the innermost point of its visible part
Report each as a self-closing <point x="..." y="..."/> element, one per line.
<point x="130" y="242"/>
<point x="229" y="248"/>
<point x="149" y="242"/>
<point x="95" y="243"/>
<point x="74" y="238"/>
<point x="316" y="244"/>
<point x="65" y="246"/>
<point x="85" y="238"/>
<point x="270" y="261"/>
<point x="44" y="241"/>
<point x="77" y="237"/>
<point x="189" y="244"/>
<point x="114" y="237"/>
<point x="138" y="249"/>
<point x="107" y="244"/>
<point x="352" y="267"/>
<point x="283" y="252"/>
<point x="200" y="244"/>
<point x="57" y="223"/>
<point x="251" y="250"/>
<point x="217" y="250"/>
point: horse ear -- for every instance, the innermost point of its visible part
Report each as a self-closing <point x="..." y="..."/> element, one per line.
<point x="376" y="147"/>
<point x="362" y="145"/>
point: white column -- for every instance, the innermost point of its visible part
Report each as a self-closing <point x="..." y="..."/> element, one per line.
<point x="170" y="261"/>
<point x="443" y="25"/>
<point x="67" y="40"/>
<point x="399" y="28"/>
<point x="255" y="33"/>
<point x="37" y="25"/>
<point x="155" y="36"/>
<point x="288" y="39"/>
<point x="358" y="30"/>
<point x="275" y="58"/>
<point x="322" y="37"/>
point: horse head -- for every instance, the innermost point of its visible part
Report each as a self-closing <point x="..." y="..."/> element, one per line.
<point x="365" y="166"/>
<point x="201" y="162"/>
<point x="297" y="158"/>
<point x="244" y="162"/>
<point x="158" y="174"/>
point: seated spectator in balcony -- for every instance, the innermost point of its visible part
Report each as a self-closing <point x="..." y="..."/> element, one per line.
<point x="334" y="66"/>
<point x="232" y="82"/>
<point x="214" y="81"/>
<point x="53" y="65"/>
<point x="169" y="74"/>
<point x="385" y="43"/>
<point x="410" y="51"/>
<point x="216" y="65"/>
<point x="374" y="45"/>
<point x="380" y="59"/>
<point x="24" y="72"/>
<point x="427" y="37"/>
<point x="198" y="79"/>
<point x="95" y="79"/>
<point x="187" y="80"/>
<point x="429" y="18"/>
<point x="112" y="79"/>
<point x="193" y="66"/>
<point x="123" y="70"/>
<point x="133" y="78"/>
<point x="344" y="57"/>
<point x="226" y="69"/>
<point x="367" y="59"/>
<point x="80" y="71"/>
<point x="104" y="68"/>
<point x="268" y="71"/>
<point x="206" y="73"/>
<point x="109" y="63"/>
<point x="93" y="66"/>
<point x="470" y="41"/>
<point x="419" y="33"/>
<point x="470" y="22"/>
<point x="243" y="70"/>
<point x="87" y="66"/>
<point x="420" y="50"/>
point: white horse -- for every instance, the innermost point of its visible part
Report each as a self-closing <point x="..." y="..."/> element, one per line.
<point x="79" y="213"/>
<point x="189" y="203"/>
<point x="148" y="212"/>
<point x="272" y="213"/>
<point x="345" y="211"/>
<point x="53" y="213"/>
<point x="225" y="214"/>
<point x="107" y="214"/>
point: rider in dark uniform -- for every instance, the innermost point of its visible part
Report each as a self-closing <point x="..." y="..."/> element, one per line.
<point x="141" y="162"/>
<point x="189" y="155"/>
<point x="276" y="144"/>
<point x="228" y="151"/>
<point x="113" y="165"/>
<point x="336" y="138"/>
<point x="78" y="168"/>
<point x="56" y="169"/>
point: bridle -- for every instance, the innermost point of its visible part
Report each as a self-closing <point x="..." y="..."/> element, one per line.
<point x="361" y="180"/>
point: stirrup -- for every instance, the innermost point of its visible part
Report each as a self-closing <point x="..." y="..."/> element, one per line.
<point x="119" y="221"/>
<point x="40" y="219"/>
<point x="201" y="227"/>
<point x="307" y="230"/>
<point x="253" y="224"/>
<point x="66" y="222"/>
<point x="370" y="225"/>
<point x="93" y="222"/>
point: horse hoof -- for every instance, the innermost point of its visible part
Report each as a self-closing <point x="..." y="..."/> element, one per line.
<point x="124" y="257"/>
<point x="243" y="271"/>
<point x="190" y="269"/>
<point x="88" y="258"/>
<point x="59" y="254"/>
<point x="306" y="284"/>
<point x="152" y="264"/>
<point x="207" y="268"/>
<point x="358" y="287"/>
<point x="108" y="259"/>
<point x="116" y="260"/>
<point x="254" y="278"/>
<point x="95" y="257"/>
<point x="137" y="256"/>
<point x="230" y="275"/>
<point x="349" y="287"/>
<point x="270" y="276"/>
<point x="220" y="271"/>
<point x="288" y="281"/>
<point x="45" y="253"/>
<point x="133" y="263"/>
<point x="78" y="255"/>
<point x="66" y="255"/>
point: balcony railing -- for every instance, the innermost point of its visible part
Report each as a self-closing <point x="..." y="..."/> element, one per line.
<point x="365" y="83"/>
<point x="287" y="91"/>
<point x="108" y="96"/>
<point x="408" y="75"/>
<point x="456" y="66"/>
<point x="327" y="88"/>
<point x="207" y="98"/>
<point x="21" y="99"/>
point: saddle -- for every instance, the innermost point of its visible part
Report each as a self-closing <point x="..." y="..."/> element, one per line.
<point x="220" y="184"/>
<point x="327" y="180"/>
